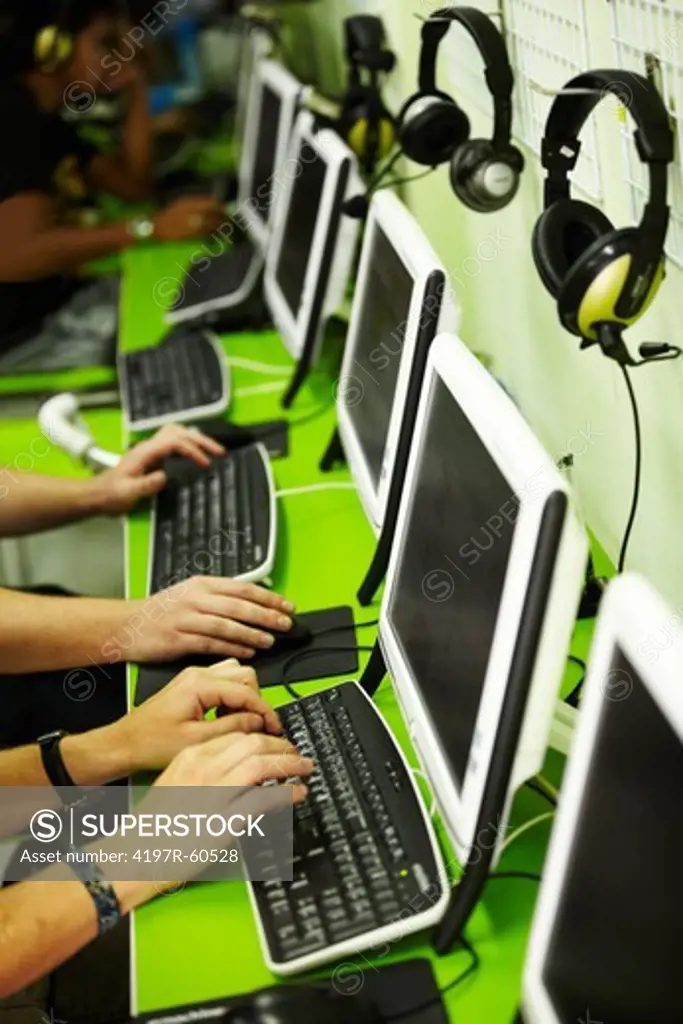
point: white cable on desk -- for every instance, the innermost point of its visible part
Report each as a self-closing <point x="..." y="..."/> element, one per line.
<point x="314" y="487"/>
<point x="260" y="389"/>
<point x="257" y="367"/>
<point x="525" y="828"/>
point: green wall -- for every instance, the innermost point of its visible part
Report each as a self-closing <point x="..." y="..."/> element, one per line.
<point x="564" y="393"/>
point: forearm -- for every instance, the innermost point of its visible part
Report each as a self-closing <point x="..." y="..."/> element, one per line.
<point x="93" y="758"/>
<point x="43" y="924"/>
<point x="61" y="249"/>
<point x="31" y="502"/>
<point x="40" y="634"/>
<point x="137" y="143"/>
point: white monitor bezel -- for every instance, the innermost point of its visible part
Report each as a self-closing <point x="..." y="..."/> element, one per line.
<point x="258" y="45"/>
<point x="273" y="76"/>
<point x="631" y="613"/>
<point x="389" y="215"/>
<point x="337" y="157"/>
<point x="535" y="478"/>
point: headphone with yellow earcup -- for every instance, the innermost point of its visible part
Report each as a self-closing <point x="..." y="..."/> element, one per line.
<point x="53" y="45"/>
<point x="52" y="49"/>
<point x="603" y="279"/>
<point x="365" y="122"/>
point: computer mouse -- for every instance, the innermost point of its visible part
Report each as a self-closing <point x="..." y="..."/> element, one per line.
<point x="299" y="635"/>
<point x="306" y="1004"/>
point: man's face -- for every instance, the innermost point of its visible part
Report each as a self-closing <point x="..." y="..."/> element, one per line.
<point x="95" y="61"/>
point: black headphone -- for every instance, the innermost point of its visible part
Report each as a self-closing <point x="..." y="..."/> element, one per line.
<point x="434" y="130"/>
<point x="603" y="279"/>
<point x="365" y="123"/>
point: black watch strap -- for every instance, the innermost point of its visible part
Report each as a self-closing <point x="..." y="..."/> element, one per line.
<point x="54" y="766"/>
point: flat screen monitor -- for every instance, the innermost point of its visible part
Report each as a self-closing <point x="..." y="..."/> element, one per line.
<point x="482" y="591"/>
<point x="402" y="301"/>
<point x="309" y="259"/>
<point x="272" y="110"/>
<point x="608" y="930"/>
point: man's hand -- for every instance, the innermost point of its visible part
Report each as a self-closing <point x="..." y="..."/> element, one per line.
<point x="205" y="615"/>
<point x="239" y="761"/>
<point x="137" y="476"/>
<point x="153" y="734"/>
<point x="188" y="218"/>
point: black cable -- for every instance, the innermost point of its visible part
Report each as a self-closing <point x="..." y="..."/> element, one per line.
<point x="300" y="655"/>
<point x="638" y="470"/>
<point x="405" y="181"/>
<point x="528" y="876"/>
<point x="533" y="784"/>
<point x="577" y="661"/>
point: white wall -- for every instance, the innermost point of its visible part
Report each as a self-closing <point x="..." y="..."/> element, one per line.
<point x="508" y="314"/>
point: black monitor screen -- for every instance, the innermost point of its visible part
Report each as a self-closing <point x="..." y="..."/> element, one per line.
<point x="299" y="230"/>
<point x="453" y="562"/>
<point x="262" y="182"/>
<point x="377" y="356"/>
<point x="615" y="949"/>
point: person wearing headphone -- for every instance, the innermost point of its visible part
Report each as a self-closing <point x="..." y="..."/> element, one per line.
<point x="56" y="56"/>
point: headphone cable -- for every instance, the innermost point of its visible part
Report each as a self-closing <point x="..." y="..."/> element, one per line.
<point x="637" y="473"/>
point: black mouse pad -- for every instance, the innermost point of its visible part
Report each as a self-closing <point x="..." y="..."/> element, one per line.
<point x="406" y="991"/>
<point x="320" y="657"/>
<point x="322" y="664"/>
<point x="274" y="434"/>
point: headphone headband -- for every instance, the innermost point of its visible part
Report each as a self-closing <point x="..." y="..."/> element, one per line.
<point x="490" y="43"/>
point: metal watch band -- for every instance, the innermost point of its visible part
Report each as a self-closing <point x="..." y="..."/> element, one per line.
<point x="101" y="891"/>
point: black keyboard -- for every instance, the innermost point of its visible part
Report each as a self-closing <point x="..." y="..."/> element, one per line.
<point x="364" y="854"/>
<point x="186" y="376"/>
<point x="229" y="278"/>
<point x="218" y="521"/>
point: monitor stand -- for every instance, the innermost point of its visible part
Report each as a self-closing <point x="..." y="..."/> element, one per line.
<point x="334" y="454"/>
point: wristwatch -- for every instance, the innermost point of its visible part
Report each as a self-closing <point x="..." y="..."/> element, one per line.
<point x="53" y="763"/>
<point x="141" y="228"/>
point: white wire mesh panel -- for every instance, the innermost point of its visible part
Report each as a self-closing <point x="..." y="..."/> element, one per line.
<point x="648" y="35"/>
<point x="548" y="44"/>
<point x="464" y="63"/>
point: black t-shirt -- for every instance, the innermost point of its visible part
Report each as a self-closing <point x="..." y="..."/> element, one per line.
<point x="39" y="152"/>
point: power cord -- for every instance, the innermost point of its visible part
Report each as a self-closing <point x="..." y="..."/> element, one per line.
<point x="638" y="467"/>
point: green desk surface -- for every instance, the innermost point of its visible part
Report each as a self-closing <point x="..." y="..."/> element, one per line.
<point x="201" y="943"/>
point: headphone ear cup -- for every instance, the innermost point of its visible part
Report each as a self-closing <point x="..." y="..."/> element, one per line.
<point x="562" y="235"/>
<point x="594" y="285"/>
<point x="52" y="49"/>
<point x="483" y="178"/>
<point x="356" y="127"/>
<point x="432" y="128"/>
